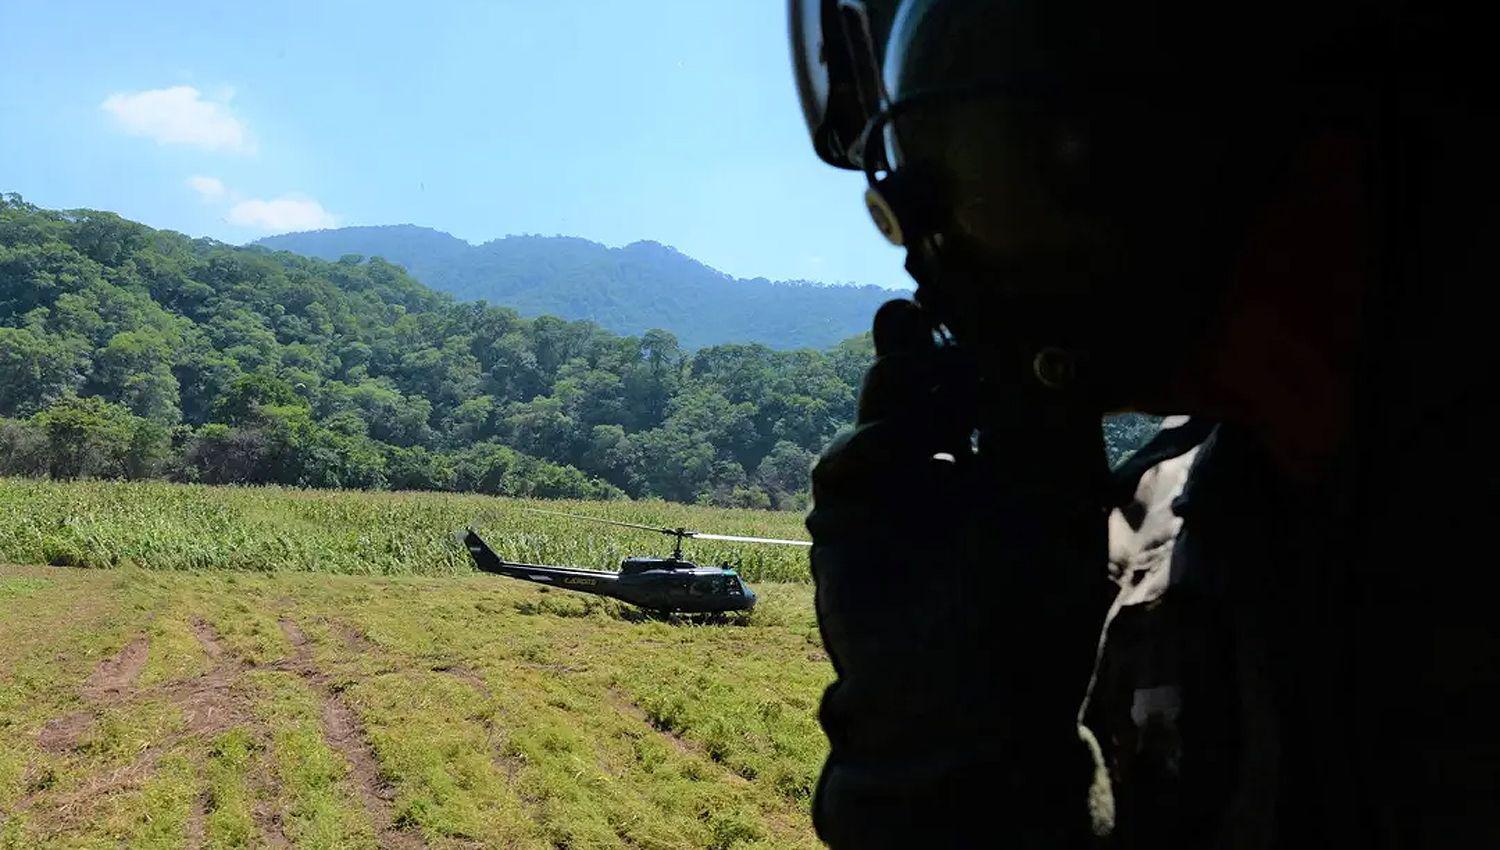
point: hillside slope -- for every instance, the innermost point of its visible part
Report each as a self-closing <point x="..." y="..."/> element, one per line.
<point x="128" y="352"/>
<point x="626" y="290"/>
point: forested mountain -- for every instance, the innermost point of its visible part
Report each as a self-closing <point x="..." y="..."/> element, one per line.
<point x="127" y="352"/>
<point x="132" y="352"/>
<point x="627" y="290"/>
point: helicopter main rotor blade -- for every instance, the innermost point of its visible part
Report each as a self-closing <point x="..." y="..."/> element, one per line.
<point x="657" y="529"/>
<point x="695" y="535"/>
<point x="698" y="535"/>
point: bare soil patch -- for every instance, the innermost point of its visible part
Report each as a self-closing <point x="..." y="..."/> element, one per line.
<point x="113" y="676"/>
<point x="197" y="822"/>
<point x="61" y="734"/>
<point x="209" y="702"/>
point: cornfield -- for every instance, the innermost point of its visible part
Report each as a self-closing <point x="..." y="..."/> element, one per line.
<point x="164" y="526"/>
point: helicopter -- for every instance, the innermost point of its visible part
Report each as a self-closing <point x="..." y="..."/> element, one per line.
<point x="666" y="585"/>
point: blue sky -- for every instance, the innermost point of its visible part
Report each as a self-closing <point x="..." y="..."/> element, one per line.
<point x="674" y="121"/>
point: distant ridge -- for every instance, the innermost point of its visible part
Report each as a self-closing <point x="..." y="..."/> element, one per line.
<point x="627" y="290"/>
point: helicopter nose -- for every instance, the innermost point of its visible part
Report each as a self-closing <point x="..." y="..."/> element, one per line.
<point x="749" y="596"/>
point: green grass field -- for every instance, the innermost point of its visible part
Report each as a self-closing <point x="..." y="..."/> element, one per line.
<point x="245" y="694"/>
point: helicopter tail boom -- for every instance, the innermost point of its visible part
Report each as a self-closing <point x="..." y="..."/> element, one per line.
<point x="589" y="581"/>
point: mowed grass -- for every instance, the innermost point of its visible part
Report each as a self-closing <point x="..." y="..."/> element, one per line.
<point x="246" y="709"/>
<point x="265" y="529"/>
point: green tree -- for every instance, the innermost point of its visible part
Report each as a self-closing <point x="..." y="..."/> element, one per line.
<point x="590" y="396"/>
<point x="245" y="398"/>
<point x="1126" y="432"/>
<point x="23" y="449"/>
<point x="92" y="438"/>
<point x="785" y="475"/>
<point x="36" y="369"/>
<point x="675" y="464"/>
<point x="418" y="468"/>
<point x="153" y="395"/>
<point x="613" y="456"/>
<point x="543" y="428"/>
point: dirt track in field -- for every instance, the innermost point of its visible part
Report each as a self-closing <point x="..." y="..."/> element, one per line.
<point x="210" y="705"/>
<point x="115" y="675"/>
<point x="343" y="732"/>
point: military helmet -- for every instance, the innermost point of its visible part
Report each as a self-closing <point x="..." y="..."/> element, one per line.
<point x="1108" y="149"/>
<point x="1074" y="82"/>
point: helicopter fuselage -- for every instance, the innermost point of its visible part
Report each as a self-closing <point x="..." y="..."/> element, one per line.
<point x="659" y="584"/>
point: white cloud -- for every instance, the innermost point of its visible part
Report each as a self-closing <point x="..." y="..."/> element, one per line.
<point x="281" y="215"/>
<point x="180" y="116"/>
<point x="208" y="188"/>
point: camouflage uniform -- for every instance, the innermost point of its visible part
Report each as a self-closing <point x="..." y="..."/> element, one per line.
<point x="1284" y="664"/>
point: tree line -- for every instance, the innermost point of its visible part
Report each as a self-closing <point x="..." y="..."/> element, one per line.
<point x="128" y="352"/>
